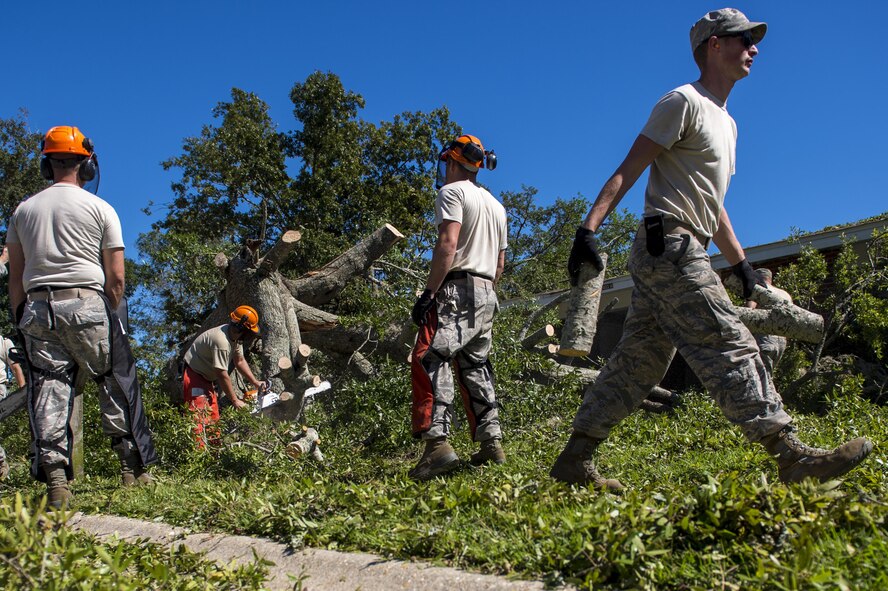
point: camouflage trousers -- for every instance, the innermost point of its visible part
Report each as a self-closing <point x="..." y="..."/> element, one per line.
<point x="680" y="303"/>
<point x="60" y="337"/>
<point x="459" y="330"/>
<point x="3" y="391"/>
<point x="771" y="347"/>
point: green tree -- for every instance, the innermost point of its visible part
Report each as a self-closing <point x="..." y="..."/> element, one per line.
<point x="349" y="177"/>
<point x="850" y="293"/>
<point x="19" y="163"/>
<point x="19" y="179"/>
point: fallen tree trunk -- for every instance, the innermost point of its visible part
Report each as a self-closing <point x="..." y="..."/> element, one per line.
<point x="287" y="312"/>
<point x="321" y="286"/>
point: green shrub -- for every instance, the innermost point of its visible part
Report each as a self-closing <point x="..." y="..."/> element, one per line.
<point x="37" y="551"/>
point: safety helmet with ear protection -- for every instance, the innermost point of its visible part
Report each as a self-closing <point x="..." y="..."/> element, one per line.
<point x="469" y="152"/>
<point x="245" y="318"/>
<point x="65" y="139"/>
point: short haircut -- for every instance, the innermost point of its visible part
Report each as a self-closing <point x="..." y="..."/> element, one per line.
<point x="66" y="163"/>
<point x="701" y="54"/>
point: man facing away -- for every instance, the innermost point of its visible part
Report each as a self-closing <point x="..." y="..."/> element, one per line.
<point x="207" y="362"/>
<point x="678" y="301"/>
<point x="455" y="313"/>
<point x="66" y="279"/>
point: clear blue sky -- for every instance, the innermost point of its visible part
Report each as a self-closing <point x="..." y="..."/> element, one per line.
<point x="558" y="89"/>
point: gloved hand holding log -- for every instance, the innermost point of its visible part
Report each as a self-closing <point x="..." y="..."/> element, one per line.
<point x="780" y="318"/>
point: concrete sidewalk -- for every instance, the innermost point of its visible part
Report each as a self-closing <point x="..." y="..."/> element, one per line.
<point x="321" y="569"/>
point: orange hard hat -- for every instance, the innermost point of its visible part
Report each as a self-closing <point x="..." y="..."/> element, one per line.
<point x="468" y="150"/>
<point x="246" y="317"/>
<point x="64" y="139"/>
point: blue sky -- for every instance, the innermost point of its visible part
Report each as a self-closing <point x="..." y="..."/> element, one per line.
<point x="558" y="89"/>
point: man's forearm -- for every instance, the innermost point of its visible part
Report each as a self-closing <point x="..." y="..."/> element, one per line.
<point x="244" y="368"/>
<point x="227" y="388"/>
<point x="18" y="374"/>
<point x="16" y="274"/>
<point x="726" y="240"/>
<point x="114" y="291"/>
<point x="641" y="154"/>
<point x="608" y="198"/>
<point x="442" y="261"/>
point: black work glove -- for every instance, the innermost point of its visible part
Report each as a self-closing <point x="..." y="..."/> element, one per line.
<point x="584" y="250"/>
<point x="421" y="308"/>
<point x="748" y="277"/>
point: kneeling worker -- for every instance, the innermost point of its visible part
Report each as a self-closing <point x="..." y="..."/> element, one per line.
<point x="207" y="363"/>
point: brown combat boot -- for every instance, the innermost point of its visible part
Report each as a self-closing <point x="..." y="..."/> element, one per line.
<point x="491" y="451"/>
<point x="797" y="461"/>
<point x="58" y="493"/>
<point x="438" y="458"/>
<point x="132" y="473"/>
<point x="575" y="466"/>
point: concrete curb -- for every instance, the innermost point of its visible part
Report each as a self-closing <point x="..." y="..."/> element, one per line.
<point x="320" y="569"/>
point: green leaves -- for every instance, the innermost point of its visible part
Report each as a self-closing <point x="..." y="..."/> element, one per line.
<point x="37" y="551"/>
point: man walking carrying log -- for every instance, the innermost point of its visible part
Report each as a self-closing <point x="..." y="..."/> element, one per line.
<point x="66" y="281"/>
<point x="678" y="301"/>
<point x="455" y="313"/>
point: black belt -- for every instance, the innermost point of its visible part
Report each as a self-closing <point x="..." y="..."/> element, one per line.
<point x="52" y="292"/>
<point x="454" y="275"/>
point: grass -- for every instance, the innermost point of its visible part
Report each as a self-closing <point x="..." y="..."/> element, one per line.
<point x="703" y="508"/>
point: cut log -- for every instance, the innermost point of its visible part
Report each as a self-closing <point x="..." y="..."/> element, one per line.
<point x="221" y="262"/>
<point x="279" y="252"/>
<point x="784" y="319"/>
<point x="301" y="356"/>
<point x="530" y="343"/>
<point x="321" y="286"/>
<point x="582" y="316"/>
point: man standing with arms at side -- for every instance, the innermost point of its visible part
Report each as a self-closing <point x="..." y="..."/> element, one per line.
<point x="66" y="279"/>
<point x="455" y="313"/>
<point x="678" y="301"/>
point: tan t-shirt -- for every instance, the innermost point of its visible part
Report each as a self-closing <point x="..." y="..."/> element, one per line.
<point x="63" y="230"/>
<point x="482" y="233"/>
<point x="689" y="179"/>
<point x="211" y="351"/>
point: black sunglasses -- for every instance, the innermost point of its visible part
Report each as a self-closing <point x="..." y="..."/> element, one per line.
<point x="746" y="36"/>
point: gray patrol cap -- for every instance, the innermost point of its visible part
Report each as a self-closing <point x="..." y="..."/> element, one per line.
<point x="725" y="21"/>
